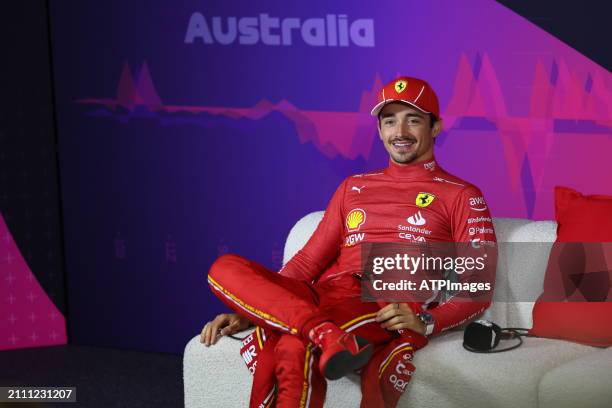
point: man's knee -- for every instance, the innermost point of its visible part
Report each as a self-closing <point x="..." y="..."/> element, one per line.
<point x="224" y="266"/>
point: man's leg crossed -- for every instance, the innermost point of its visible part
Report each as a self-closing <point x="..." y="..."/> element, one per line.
<point x="265" y="297"/>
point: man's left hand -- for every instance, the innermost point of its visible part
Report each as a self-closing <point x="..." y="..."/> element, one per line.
<point x="398" y="316"/>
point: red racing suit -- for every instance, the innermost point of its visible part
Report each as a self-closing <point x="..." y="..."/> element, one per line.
<point x="401" y="204"/>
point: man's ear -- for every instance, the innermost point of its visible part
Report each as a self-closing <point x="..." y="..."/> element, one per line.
<point x="378" y="128"/>
<point x="437" y="128"/>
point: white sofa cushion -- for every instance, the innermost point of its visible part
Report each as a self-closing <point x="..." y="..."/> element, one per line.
<point x="446" y="376"/>
<point x="215" y="376"/>
<point x="582" y="382"/>
<point x="449" y="376"/>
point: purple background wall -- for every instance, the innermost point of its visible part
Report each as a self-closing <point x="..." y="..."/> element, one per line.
<point x="172" y="153"/>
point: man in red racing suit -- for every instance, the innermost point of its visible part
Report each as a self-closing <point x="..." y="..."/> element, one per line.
<point x="413" y="200"/>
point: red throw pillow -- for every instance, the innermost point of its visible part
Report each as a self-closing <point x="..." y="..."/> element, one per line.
<point x="580" y="219"/>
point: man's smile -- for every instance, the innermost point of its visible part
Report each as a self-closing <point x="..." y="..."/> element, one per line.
<point x="403" y="145"/>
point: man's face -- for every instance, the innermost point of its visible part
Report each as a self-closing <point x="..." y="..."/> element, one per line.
<point x="407" y="133"/>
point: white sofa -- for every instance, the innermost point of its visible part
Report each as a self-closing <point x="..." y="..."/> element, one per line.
<point x="542" y="373"/>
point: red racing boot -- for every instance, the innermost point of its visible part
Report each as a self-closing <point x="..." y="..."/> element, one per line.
<point x="341" y="352"/>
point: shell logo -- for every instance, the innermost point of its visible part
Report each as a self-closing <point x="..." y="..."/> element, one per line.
<point x="355" y="219"/>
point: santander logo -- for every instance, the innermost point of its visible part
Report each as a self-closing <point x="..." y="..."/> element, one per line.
<point x="417" y="219"/>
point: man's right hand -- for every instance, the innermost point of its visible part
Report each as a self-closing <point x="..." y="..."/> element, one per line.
<point x="222" y="325"/>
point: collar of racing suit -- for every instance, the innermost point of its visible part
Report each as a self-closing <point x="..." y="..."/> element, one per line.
<point x="411" y="171"/>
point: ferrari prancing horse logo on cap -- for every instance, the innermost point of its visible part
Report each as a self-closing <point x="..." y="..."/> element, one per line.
<point x="424" y="199"/>
<point x="400" y="86"/>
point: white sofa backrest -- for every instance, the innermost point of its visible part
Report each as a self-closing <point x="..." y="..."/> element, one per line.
<point x="526" y="261"/>
<point x="520" y="269"/>
<point x="300" y="233"/>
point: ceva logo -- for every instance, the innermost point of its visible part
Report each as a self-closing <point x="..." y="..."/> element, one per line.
<point x="335" y="30"/>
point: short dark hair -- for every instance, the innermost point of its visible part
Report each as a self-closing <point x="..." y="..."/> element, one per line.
<point x="432" y="120"/>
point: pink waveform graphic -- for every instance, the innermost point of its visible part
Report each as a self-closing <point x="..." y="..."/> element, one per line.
<point x="556" y="94"/>
<point x="132" y="93"/>
<point x="331" y="132"/>
<point x="558" y="107"/>
<point x="473" y="96"/>
<point x="28" y="318"/>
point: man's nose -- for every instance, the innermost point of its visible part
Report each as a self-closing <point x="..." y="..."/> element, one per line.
<point x="402" y="129"/>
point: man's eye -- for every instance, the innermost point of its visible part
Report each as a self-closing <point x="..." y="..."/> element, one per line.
<point x="389" y="122"/>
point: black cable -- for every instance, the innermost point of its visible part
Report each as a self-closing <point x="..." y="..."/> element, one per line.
<point x="519" y="329"/>
<point x="237" y="338"/>
<point x="516" y="334"/>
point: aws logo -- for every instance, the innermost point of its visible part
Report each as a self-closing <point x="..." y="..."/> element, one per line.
<point x="355" y="219"/>
<point x="477" y="204"/>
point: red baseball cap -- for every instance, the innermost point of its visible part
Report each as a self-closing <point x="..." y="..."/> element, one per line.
<point x="412" y="91"/>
